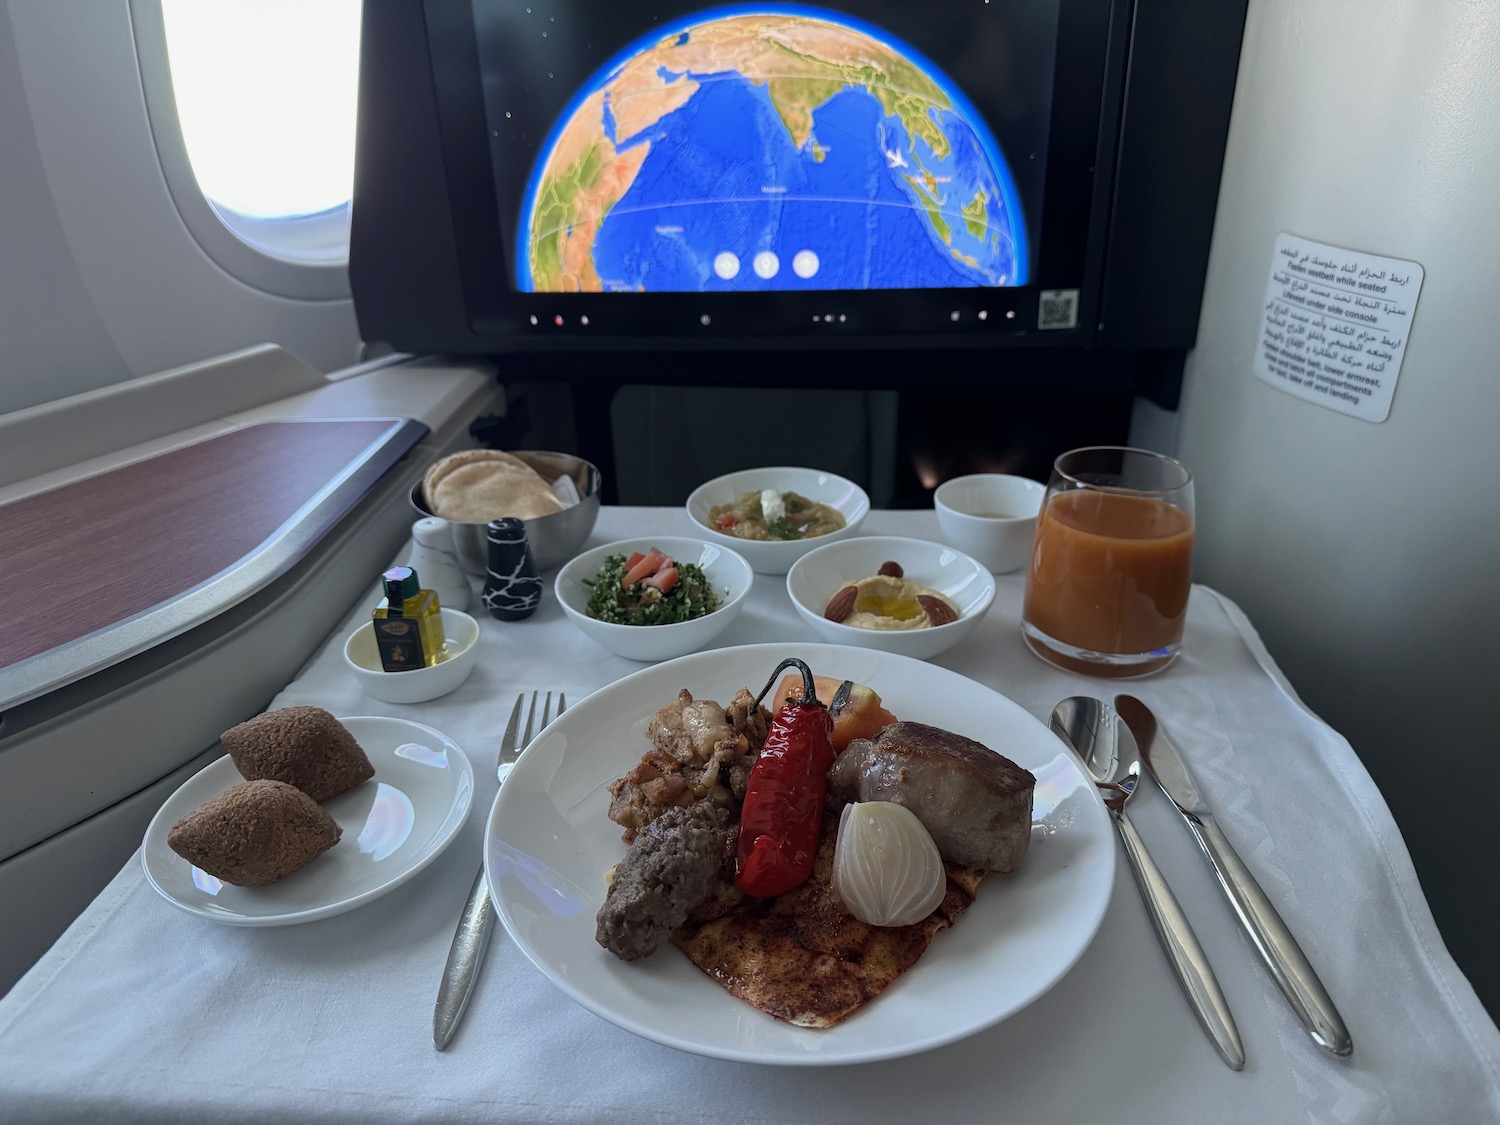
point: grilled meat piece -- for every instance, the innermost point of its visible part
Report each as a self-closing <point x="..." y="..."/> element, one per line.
<point x="689" y="730"/>
<point x="700" y="751"/>
<point x="674" y="863"/>
<point x="975" y="803"/>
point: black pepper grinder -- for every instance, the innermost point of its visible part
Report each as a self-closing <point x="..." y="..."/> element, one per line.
<point x="512" y="587"/>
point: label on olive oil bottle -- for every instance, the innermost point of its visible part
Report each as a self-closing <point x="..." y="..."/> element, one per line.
<point x="400" y="644"/>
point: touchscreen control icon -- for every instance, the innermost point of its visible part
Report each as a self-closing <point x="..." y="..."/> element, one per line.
<point x="726" y="264"/>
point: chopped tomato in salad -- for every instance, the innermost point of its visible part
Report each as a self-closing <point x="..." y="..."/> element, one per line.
<point x="646" y="568"/>
<point x="649" y="588"/>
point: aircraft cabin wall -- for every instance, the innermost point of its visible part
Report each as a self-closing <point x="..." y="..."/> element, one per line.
<point x="102" y="278"/>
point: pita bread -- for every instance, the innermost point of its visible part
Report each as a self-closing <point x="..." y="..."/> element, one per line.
<point x="479" y="485"/>
<point x="442" y="467"/>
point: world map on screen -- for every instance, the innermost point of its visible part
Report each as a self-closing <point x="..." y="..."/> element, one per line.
<point x="770" y="150"/>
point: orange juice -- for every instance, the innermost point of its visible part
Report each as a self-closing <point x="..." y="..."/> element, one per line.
<point x="1109" y="573"/>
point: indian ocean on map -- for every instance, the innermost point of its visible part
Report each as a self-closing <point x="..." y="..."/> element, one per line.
<point x="770" y="149"/>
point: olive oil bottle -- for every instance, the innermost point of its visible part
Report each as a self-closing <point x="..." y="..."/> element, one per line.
<point x="408" y="624"/>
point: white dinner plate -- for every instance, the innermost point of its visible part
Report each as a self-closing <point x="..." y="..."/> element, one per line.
<point x="549" y="843"/>
<point x="394" y="825"/>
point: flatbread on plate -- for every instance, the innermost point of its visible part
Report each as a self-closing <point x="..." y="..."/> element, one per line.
<point x="801" y="957"/>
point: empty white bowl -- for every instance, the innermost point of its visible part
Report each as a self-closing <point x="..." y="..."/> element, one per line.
<point x="776" y="556"/>
<point x="726" y="570"/>
<point x="821" y="573"/>
<point x="362" y="658"/>
<point x="990" y="516"/>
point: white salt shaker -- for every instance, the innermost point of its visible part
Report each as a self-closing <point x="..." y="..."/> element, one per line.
<point x="433" y="557"/>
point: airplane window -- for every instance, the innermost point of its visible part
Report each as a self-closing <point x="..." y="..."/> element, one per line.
<point x="266" y="92"/>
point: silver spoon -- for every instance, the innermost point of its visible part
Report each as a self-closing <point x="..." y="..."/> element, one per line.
<point x="1107" y="749"/>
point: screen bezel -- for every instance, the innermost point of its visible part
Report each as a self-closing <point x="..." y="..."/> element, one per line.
<point x="1069" y="243"/>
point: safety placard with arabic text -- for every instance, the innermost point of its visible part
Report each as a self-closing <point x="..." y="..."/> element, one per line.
<point x="1335" y="325"/>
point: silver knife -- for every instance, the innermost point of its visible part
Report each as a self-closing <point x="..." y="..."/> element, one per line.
<point x="477" y="922"/>
<point x="1274" y="943"/>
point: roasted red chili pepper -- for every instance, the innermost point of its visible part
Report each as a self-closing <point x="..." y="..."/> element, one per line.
<point x="783" y="810"/>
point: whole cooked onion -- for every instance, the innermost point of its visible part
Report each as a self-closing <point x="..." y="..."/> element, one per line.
<point x="886" y="869"/>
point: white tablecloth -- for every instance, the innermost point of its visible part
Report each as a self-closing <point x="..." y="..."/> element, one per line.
<point x="144" y="1013"/>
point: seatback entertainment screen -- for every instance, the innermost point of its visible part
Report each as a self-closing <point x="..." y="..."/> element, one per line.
<point x="852" y="184"/>
<point x="677" y="148"/>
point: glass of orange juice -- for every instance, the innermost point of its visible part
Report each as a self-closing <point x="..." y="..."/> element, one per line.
<point x="1111" y="562"/>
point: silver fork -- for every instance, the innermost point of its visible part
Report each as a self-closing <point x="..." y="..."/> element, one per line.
<point x="477" y="922"/>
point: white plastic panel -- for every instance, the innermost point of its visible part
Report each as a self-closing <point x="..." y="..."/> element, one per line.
<point x="121" y="287"/>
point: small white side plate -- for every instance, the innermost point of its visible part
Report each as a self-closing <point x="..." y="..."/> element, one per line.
<point x="394" y="825"/>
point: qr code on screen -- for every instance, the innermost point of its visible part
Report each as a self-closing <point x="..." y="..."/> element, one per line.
<point x="1058" y="309"/>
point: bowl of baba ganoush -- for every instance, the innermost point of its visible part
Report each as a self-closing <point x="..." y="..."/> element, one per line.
<point x="913" y="597"/>
<point x="774" y="516"/>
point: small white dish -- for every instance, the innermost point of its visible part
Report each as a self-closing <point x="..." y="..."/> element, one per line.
<point x="776" y="556"/>
<point x="726" y="570"/>
<point x="362" y="658"/>
<point x="820" y="574"/>
<point x="548" y="844"/>
<point x="991" y="516"/>
<point x="394" y="825"/>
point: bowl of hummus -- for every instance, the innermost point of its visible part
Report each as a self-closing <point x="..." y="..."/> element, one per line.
<point x="913" y="597"/>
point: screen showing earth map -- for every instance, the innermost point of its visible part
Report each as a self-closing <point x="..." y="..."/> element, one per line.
<point x="767" y="147"/>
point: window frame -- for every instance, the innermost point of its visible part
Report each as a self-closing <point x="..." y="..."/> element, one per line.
<point x="304" y="257"/>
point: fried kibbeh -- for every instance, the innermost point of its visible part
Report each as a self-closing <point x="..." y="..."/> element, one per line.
<point x="254" y="833"/>
<point x="302" y="746"/>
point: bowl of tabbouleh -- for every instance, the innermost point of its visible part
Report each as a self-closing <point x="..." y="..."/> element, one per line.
<point x="655" y="598"/>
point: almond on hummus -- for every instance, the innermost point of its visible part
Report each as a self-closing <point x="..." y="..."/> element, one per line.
<point x="890" y="600"/>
